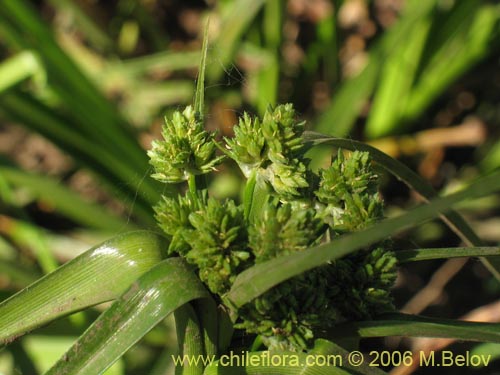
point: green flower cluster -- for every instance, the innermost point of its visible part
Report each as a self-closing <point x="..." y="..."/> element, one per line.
<point x="348" y="193"/>
<point x="210" y="234"/>
<point x="186" y="149"/>
<point x="300" y="209"/>
<point x="273" y="148"/>
<point x="353" y="288"/>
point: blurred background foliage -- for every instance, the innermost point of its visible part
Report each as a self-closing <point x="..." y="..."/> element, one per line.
<point x="84" y="86"/>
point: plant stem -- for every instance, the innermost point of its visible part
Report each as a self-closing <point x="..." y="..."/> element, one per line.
<point x="192" y="184"/>
<point x="189" y="339"/>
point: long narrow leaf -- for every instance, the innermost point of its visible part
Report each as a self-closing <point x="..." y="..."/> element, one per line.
<point x="62" y="199"/>
<point x="157" y="62"/>
<point x="469" y="45"/>
<point x="159" y="292"/>
<point x="340" y="116"/>
<point x="189" y="340"/>
<point x="109" y="165"/>
<point x="100" y="274"/>
<point x="419" y="326"/>
<point x="233" y="25"/>
<point x="396" y="80"/>
<point x="94" y="115"/>
<point x="18" y="68"/>
<point x="199" y="99"/>
<point x="406" y="256"/>
<point x="415" y="182"/>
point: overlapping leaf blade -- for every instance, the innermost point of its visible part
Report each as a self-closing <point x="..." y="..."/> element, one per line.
<point x="346" y="105"/>
<point x="78" y="284"/>
<point x="415" y="182"/>
<point x="159" y="292"/>
<point x="81" y="120"/>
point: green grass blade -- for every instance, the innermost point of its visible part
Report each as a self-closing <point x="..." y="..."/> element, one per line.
<point x="396" y="80"/>
<point x="234" y="23"/>
<point x="100" y="274"/>
<point x="19" y="67"/>
<point x="268" y="76"/>
<point x="338" y="119"/>
<point x="62" y="199"/>
<point x="346" y="105"/>
<point x="157" y="62"/>
<point x="86" y="25"/>
<point x="197" y="329"/>
<point x="419" y="326"/>
<point x="398" y="170"/>
<point x="208" y="316"/>
<point x="93" y="122"/>
<point x="93" y="115"/>
<point x="113" y="169"/>
<point x="471" y="42"/>
<point x="461" y="37"/>
<point x="199" y="99"/>
<point x="150" y="299"/>
<point x="415" y="182"/>
<point x="256" y="280"/>
<point x="26" y="235"/>
<point x="448" y="23"/>
<point x="406" y="256"/>
<point x="43" y="119"/>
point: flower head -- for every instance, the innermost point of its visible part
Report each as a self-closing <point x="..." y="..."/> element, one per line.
<point x="218" y="244"/>
<point x="348" y="193"/>
<point x="247" y="147"/>
<point x="273" y="146"/>
<point x="186" y="149"/>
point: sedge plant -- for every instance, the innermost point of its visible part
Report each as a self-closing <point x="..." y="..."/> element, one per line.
<point x="302" y="264"/>
<point x="286" y="208"/>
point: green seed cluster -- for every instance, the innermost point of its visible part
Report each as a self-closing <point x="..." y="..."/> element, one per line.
<point x="273" y="147"/>
<point x="300" y="209"/>
<point x="210" y="234"/>
<point x="284" y="228"/>
<point x="352" y="288"/>
<point x="348" y="193"/>
<point x="186" y="149"/>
